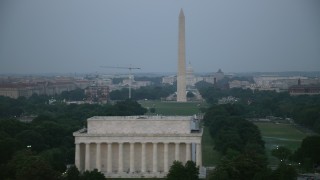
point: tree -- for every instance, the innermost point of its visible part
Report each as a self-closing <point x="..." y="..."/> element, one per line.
<point x="176" y="172"/>
<point x="282" y="153"/>
<point x="72" y="174"/>
<point x="129" y="108"/>
<point x="239" y="166"/>
<point x="285" y="172"/>
<point x="56" y="157"/>
<point x="74" y="95"/>
<point x="190" y="95"/>
<point x="12" y="126"/>
<point x="92" y="175"/>
<point x="228" y="139"/>
<point x="265" y="174"/>
<point x="179" y="172"/>
<point x="26" y="166"/>
<point x="192" y="171"/>
<point x="7" y="148"/>
<point x="148" y="92"/>
<point x="31" y="138"/>
<point x="308" y="153"/>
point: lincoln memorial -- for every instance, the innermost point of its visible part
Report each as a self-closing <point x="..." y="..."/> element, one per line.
<point x="137" y="146"/>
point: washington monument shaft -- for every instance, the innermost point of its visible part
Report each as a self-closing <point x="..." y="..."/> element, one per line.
<point x="181" y="77"/>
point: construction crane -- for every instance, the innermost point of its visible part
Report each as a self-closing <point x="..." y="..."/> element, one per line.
<point x="130" y="74"/>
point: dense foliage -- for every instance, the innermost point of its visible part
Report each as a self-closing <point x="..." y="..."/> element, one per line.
<point x="238" y="140"/>
<point x="46" y="143"/>
<point x="308" y="154"/>
<point x="147" y="92"/>
<point x="304" y="109"/>
<point x="73" y="173"/>
<point x="187" y="172"/>
<point x="75" y="95"/>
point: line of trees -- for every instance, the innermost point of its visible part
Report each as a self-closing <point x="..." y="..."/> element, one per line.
<point x="304" y="109"/>
<point x="148" y="92"/>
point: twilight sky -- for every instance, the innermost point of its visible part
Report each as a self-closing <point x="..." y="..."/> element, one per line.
<point x="67" y="36"/>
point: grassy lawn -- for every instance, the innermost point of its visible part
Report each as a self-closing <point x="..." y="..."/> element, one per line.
<point x="280" y="135"/>
<point x="210" y="157"/>
<point x="174" y="108"/>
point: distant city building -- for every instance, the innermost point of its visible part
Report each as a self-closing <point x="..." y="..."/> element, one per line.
<point x="82" y="84"/>
<point x="19" y="90"/>
<point x="239" y="84"/>
<point x="219" y="75"/>
<point x="214" y="78"/>
<point x="304" y="89"/>
<point x="190" y="78"/>
<point x="169" y="80"/>
<point x="50" y="88"/>
<point x="135" y="84"/>
<point x="59" y="87"/>
<point x="280" y="83"/>
<point x="139" y="84"/>
<point x="97" y="93"/>
<point x="137" y="146"/>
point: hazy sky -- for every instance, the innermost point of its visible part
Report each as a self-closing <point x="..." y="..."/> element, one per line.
<point x="45" y="36"/>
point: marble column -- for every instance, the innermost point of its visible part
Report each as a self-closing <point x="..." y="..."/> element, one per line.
<point x="98" y="157"/>
<point x="132" y="158"/>
<point x="166" y="169"/>
<point x="109" y="158"/>
<point x="77" y="156"/>
<point x="87" y="158"/>
<point x="154" y="158"/>
<point x="198" y="155"/>
<point x="188" y="152"/>
<point x="143" y="157"/>
<point x="177" y="152"/>
<point x="120" y="170"/>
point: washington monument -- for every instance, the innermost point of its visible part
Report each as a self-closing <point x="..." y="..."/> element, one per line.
<point x="181" y="77"/>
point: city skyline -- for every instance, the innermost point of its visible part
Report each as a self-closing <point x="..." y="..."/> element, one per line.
<point x="80" y="36"/>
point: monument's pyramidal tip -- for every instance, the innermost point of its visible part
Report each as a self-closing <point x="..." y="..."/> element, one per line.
<point x="181" y="12"/>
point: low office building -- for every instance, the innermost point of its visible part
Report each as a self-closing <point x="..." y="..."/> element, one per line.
<point x="137" y="146"/>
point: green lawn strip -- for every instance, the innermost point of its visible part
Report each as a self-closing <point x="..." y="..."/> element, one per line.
<point x="280" y="135"/>
<point x="286" y="131"/>
<point x="210" y="157"/>
<point x="174" y="108"/>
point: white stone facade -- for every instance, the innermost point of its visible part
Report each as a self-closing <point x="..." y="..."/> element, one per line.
<point x="136" y="146"/>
